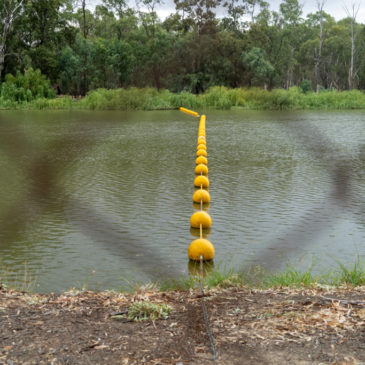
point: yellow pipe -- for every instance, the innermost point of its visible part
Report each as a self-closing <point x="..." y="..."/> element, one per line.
<point x="190" y="112"/>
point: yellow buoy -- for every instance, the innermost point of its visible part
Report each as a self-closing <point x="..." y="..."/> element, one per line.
<point x="201" y="146"/>
<point x="201" y="159"/>
<point x="201" y="247"/>
<point x="201" y="139"/>
<point x="201" y="194"/>
<point x="201" y="181"/>
<point x="201" y="153"/>
<point x="200" y="218"/>
<point x="201" y="169"/>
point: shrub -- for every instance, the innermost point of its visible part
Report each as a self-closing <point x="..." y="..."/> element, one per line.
<point x="26" y="87"/>
<point x="306" y="86"/>
<point x="146" y="310"/>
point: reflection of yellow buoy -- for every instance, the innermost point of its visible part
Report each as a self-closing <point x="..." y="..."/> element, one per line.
<point x="200" y="218"/>
<point x="201" y="147"/>
<point x="201" y="159"/>
<point x="195" y="232"/>
<point x="194" y="267"/>
<point x="187" y="111"/>
<point x="201" y="181"/>
<point x="201" y="169"/>
<point x="201" y="194"/>
<point x="201" y="153"/>
<point x="201" y="247"/>
<point x="205" y="207"/>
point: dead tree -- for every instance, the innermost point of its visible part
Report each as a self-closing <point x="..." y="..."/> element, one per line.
<point x="318" y="61"/>
<point x="352" y="14"/>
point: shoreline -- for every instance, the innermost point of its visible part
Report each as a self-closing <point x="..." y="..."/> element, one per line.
<point x="215" y="98"/>
<point x="219" y="278"/>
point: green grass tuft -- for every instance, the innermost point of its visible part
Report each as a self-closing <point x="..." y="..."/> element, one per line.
<point x="290" y="278"/>
<point x="23" y="282"/>
<point x="354" y="276"/>
<point x="146" y="310"/>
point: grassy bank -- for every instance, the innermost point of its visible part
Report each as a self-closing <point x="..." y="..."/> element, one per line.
<point x="344" y="275"/>
<point x="215" y="98"/>
<point x="353" y="275"/>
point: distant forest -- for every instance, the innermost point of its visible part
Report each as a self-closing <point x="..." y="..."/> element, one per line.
<point x="191" y="50"/>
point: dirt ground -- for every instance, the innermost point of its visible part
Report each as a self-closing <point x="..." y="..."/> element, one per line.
<point x="281" y="326"/>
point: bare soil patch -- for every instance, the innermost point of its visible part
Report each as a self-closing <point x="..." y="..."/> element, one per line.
<point x="284" y="326"/>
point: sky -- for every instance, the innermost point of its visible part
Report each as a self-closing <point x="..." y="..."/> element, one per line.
<point x="333" y="7"/>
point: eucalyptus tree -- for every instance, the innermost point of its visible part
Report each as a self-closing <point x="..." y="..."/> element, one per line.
<point x="9" y="11"/>
<point x="45" y="29"/>
<point x="352" y="14"/>
<point x="320" y="5"/>
<point x="336" y="56"/>
<point x="290" y="12"/>
<point x="258" y="66"/>
<point x="118" y="6"/>
<point x="201" y="12"/>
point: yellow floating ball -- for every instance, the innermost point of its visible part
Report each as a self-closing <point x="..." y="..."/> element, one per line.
<point x="201" y="194"/>
<point x="201" y="181"/>
<point x="201" y="146"/>
<point x="200" y="218"/>
<point x="201" y="247"/>
<point x="201" y="153"/>
<point x="201" y="139"/>
<point x="201" y="160"/>
<point x="201" y="169"/>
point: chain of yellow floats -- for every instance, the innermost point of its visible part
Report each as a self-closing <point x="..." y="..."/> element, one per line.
<point x="201" y="248"/>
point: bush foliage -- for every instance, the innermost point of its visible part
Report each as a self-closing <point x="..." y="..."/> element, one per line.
<point x="27" y="87"/>
<point x="33" y="90"/>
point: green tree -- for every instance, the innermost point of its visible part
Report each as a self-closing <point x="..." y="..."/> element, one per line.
<point x="259" y="68"/>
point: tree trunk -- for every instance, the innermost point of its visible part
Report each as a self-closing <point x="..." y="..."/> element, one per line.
<point x="317" y="76"/>
<point x="351" y="69"/>
<point x="10" y="14"/>
<point x="84" y="18"/>
<point x="352" y="15"/>
<point x="2" y="59"/>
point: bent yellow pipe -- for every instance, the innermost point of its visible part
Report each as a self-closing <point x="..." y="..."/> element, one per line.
<point x="188" y="111"/>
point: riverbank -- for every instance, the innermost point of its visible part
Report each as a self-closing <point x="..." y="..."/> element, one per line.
<point x="318" y="325"/>
<point x="214" y="98"/>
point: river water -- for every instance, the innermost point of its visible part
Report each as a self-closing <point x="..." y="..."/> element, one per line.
<point x="103" y="199"/>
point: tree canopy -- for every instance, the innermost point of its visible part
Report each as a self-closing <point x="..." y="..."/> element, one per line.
<point x="114" y="46"/>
